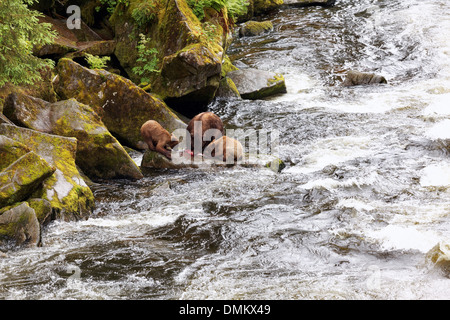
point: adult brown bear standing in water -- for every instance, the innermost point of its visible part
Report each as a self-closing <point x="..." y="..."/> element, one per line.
<point x="158" y="138"/>
<point x="200" y="124"/>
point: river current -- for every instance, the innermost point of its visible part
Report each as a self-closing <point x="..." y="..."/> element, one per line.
<point x="364" y="197"/>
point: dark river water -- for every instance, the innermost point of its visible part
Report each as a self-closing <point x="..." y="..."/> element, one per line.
<point x="364" y="197"/>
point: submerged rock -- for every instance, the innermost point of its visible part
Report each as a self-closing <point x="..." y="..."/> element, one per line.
<point x="152" y="159"/>
<point x="355" y="78"/>
<point x="439" y="255"/>
<point x="99" y="154"/>
<point x="302" y="3"/>
<point x="65" y="189"/>
<point x="20" y="224"/>
<point x="122" y="106"/>
<point x="24" y="176"/>
<point x="255" y="28"/>
<point x="257" y="84"/>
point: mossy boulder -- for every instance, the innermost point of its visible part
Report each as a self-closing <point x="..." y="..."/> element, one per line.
<point x="42" y="88"/>
<point x="265" y="6"/>
<point x="42" y="208"/>
<point x="10" y="151"/>
<point x="257" y="84"/>
<point x="20" y="225"/>
<point x="303" y="3"/>
<point x="152" y="159"/>
<point x="121" y="105"/>
<point x="227" y="89"/>
<point x="189" y="57"/>
<point x="22" y="177"/>
<point x="189" y="79"/>
<point x="255" y="28"/>
<point x="99" y="154"/>
<point x="68" y="194"/>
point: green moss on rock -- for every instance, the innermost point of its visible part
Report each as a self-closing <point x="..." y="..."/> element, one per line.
<point x="20" y="179"/>
<point x="65" y="189"/>
<point x="10" y="151"/>
<point x="255" y="28"/>
<point x="122" y="106"/>
<point x="264" y="6"/>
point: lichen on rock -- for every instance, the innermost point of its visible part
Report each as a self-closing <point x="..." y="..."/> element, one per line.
<point x="10" y="151"/>
<point x="99" y="154"/>
<point x="255" y="28"/>
<point x="22" y="177"/>
<point x="65" y="189"/>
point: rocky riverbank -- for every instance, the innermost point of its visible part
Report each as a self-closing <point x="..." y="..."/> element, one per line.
<point x="75" y="126"/>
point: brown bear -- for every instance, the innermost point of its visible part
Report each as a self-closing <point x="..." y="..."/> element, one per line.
<point x="225" y="148"/>
<point x="158" y="138"/>
<point x="200" y="124"/>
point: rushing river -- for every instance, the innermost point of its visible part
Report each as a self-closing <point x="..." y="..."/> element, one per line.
<point x="364" y="197"/>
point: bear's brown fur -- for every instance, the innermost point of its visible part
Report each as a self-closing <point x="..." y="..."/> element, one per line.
<point x="225" y="148"/>
<point x="208" y="121"/>
<point x="158" y="138"/>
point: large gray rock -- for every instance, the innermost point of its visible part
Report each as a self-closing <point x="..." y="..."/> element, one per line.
<point x="355" y="78"/>
<point x="19" y="224"/>
<point x="122" y="106"/>
<point x="255" y="28"/>
<point x="10" y="151"/>
<point x="257" y="84"/>
<point x="302" y="3"/>
<point x="24" y="176"/>
<point x="65" y="189"/>
<point x="99" y="154"/>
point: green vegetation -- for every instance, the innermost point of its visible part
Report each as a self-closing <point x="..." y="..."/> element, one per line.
<point x="144" y="13"/>
<point x="112" y="4"/>
<point x="147" y="59"/>
<point x="96" y="62"/>
<point x="20" y="32"/>
<point x="234" y="7"/>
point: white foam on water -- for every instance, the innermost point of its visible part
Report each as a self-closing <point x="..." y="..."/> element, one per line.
<point x="354" y="203"/>
<point x="440" y="106"/>
<point x="436" y="175"/>
<point x="440" y="130"/>
<point x="329" y="183"/>
<point x="394" y="237"/>
<point x="332" y="151"/>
